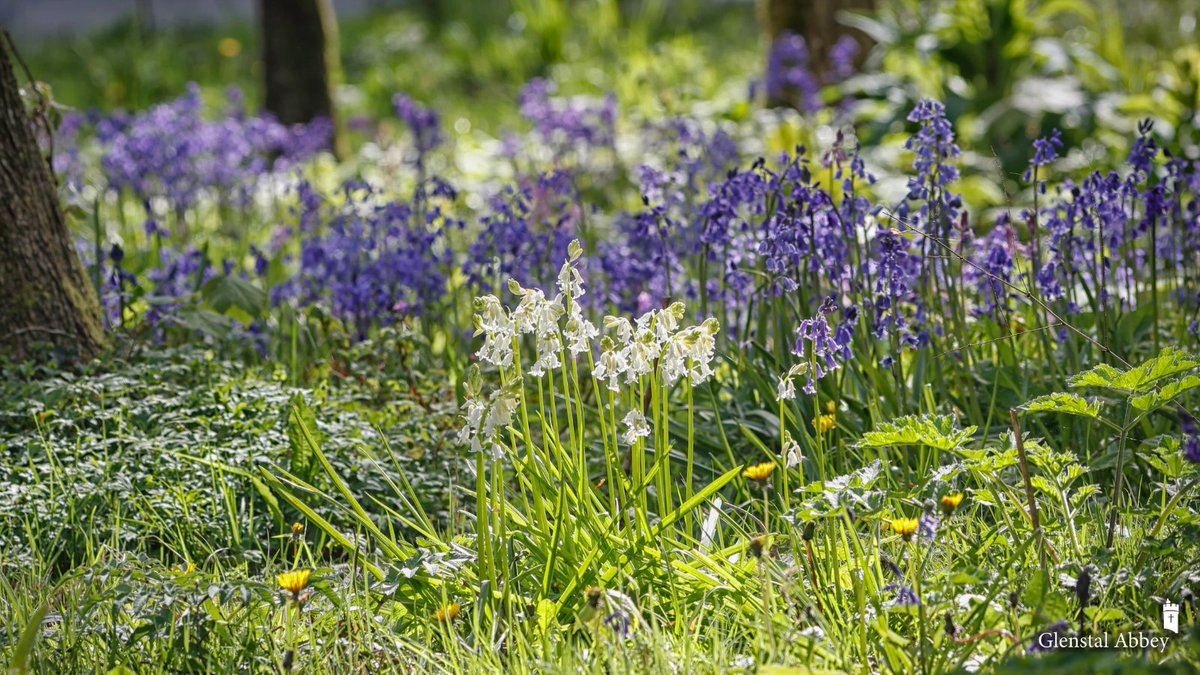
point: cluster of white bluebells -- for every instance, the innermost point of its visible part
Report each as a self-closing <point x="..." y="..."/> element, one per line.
<point x="628" y="352"/>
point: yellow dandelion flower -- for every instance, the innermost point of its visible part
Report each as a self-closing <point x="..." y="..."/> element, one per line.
<point x="229" y="47"/>
<point x="294" y="581"/>
<point x="448" y="613"/>
<point x="297" y="529"/>
<point x="186" y="568"/>
<point x="825" y="423"/>
<point x="759" y="472"/>
<point x="905" y="527"/>
<point x="950" y="503"/>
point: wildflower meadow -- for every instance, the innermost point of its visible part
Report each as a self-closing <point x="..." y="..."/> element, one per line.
<point x="596" y="336"/>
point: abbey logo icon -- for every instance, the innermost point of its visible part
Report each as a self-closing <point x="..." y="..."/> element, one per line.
<point x="1171" y="617"/>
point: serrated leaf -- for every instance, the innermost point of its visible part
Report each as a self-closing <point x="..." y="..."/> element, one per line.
<point x="861" y="478"/>
<point x="1063" y="402"/>
<point x="1141" y="378"/>
<point x="1165" y="394"/>
<point x="1102" y="375"/>
<point x="934" y="431"/>
<point x="303" y="438"/>
<point x="1043" y="485"/>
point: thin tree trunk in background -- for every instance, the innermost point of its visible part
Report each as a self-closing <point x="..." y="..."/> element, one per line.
<point x="300" y="54"/>
<point x="45" y="295"/>
<point x="815" y="21"/>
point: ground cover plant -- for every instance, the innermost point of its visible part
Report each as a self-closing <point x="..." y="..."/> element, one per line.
<point x="627" y="376"/>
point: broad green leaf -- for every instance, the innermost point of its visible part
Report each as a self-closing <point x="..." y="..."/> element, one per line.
<point x="1102" y="375"/>
<point x="1141" y="378"/>
<point x="228" y="291"/>
<point x="1062" y="402"/>
<point x="1165" y="394"/>
<point x="934" y="431"/>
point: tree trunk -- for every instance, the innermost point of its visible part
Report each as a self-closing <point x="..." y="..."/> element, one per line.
<point x="45" y="296"/>
<point x="300" y="52"/>
<point x="815" y="21"/>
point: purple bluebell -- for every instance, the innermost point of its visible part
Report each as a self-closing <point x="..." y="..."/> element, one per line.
<point x="789" y="75"/>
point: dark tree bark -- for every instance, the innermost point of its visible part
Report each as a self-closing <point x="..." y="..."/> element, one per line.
<point x="815" y="21"/>
<point x="45" y="296"/>
<point x="300" y="52"/>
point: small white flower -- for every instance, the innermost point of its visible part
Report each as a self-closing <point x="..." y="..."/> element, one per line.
<point x="490" y="314"/>
<point x="787" y="383"/>
<point x="537" y="315"/>
<point x="786" y="391"/>
<point x="635" y="427"/>
<point x="570" y="282"/>
<point x="579" y="332"/>
<point x="621" y="327"/>
<point x="612" y="364"/>
<point x="667" y="321"/>
<point x="792" y="455"/>
<point x="674" y="358"/>
<point x="641" y="355"/>
<point x="548" y="348"/>
<point x="500" y="414"/>
<point x="497" y="346"/>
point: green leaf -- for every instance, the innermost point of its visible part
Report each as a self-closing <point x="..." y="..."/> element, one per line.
<point x="1139" y="379"/>
<point x="205" y="321"/>
<point x="227" y="292"/>
<point x="1066" y="403"/>
<point x="303" y="438"/>
<point x="1102" y="375"/>
<point x="934" y="431"/>
<point x="1099" y="614"/>
<point x="29" y="637"/>
<point x="1165" y="394"/>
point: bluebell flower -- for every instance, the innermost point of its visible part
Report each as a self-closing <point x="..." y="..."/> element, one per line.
<point x="1045" y="152"/>
<point x="423" y="123"/>
<point x="789" y="76"/>
<point x="904" y="595"/>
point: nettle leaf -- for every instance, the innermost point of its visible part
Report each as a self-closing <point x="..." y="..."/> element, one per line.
<point x="1165" y="394"/>
<point x="1062" y="402"/>
<point x="934" y="431"/>
<point x="1139" y="379"/>
<point x="1102" y="375"/>
<point x="1044" y="485"/>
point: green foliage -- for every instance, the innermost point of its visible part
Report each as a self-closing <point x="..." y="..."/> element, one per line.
<point x="1139" y="379"/>
<point x="934" y="431"/>
<point x="1070" y="404"/>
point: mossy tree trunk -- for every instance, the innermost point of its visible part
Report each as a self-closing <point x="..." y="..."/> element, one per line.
<point x="815" y="21"/>
<point x="45" y="295"/>
<point x="300" y="56"/>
